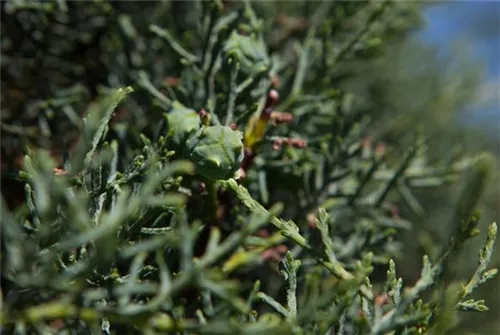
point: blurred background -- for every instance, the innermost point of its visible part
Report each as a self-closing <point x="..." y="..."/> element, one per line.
<point x="477" y="25"/>
<point x="465" y="39"/>
<point x="445" y="76"/>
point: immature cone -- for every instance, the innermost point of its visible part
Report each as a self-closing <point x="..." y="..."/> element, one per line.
<point x="183" y="122"/>
<point x="216" y="151"/>
<point x="251" y="52"/>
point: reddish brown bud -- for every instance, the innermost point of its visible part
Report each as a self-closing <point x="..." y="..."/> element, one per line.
<point x="242" y="173"/>
<point x="301" y="144"/>
<point x="204" y="117"/>
<point x="277" y="144"/>
<point x="281" y="117"/>
<point x="296" y="142"/>
<point x="59" y="172"/>
<point x="247" y="152"/>
<point x="271" y="254"/>
<point x="282" y="249"/>
<point x="381" y="299"/>
<point x="203" y="113"/>
<point x="275" y="253"/>
<point x="272" y="98"/>
<point x="311" y="220"/>
<point x="202" y="187"/>
<point x="232" y="126"/>
<point x="266" y="113"/>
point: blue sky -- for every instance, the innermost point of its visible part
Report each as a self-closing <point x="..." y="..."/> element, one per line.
<point x="478" y="23"/>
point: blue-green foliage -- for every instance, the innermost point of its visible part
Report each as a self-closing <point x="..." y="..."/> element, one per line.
<point x="143" y="226"/>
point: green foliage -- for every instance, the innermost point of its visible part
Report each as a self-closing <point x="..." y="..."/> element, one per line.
<point x="143" y="227"/>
